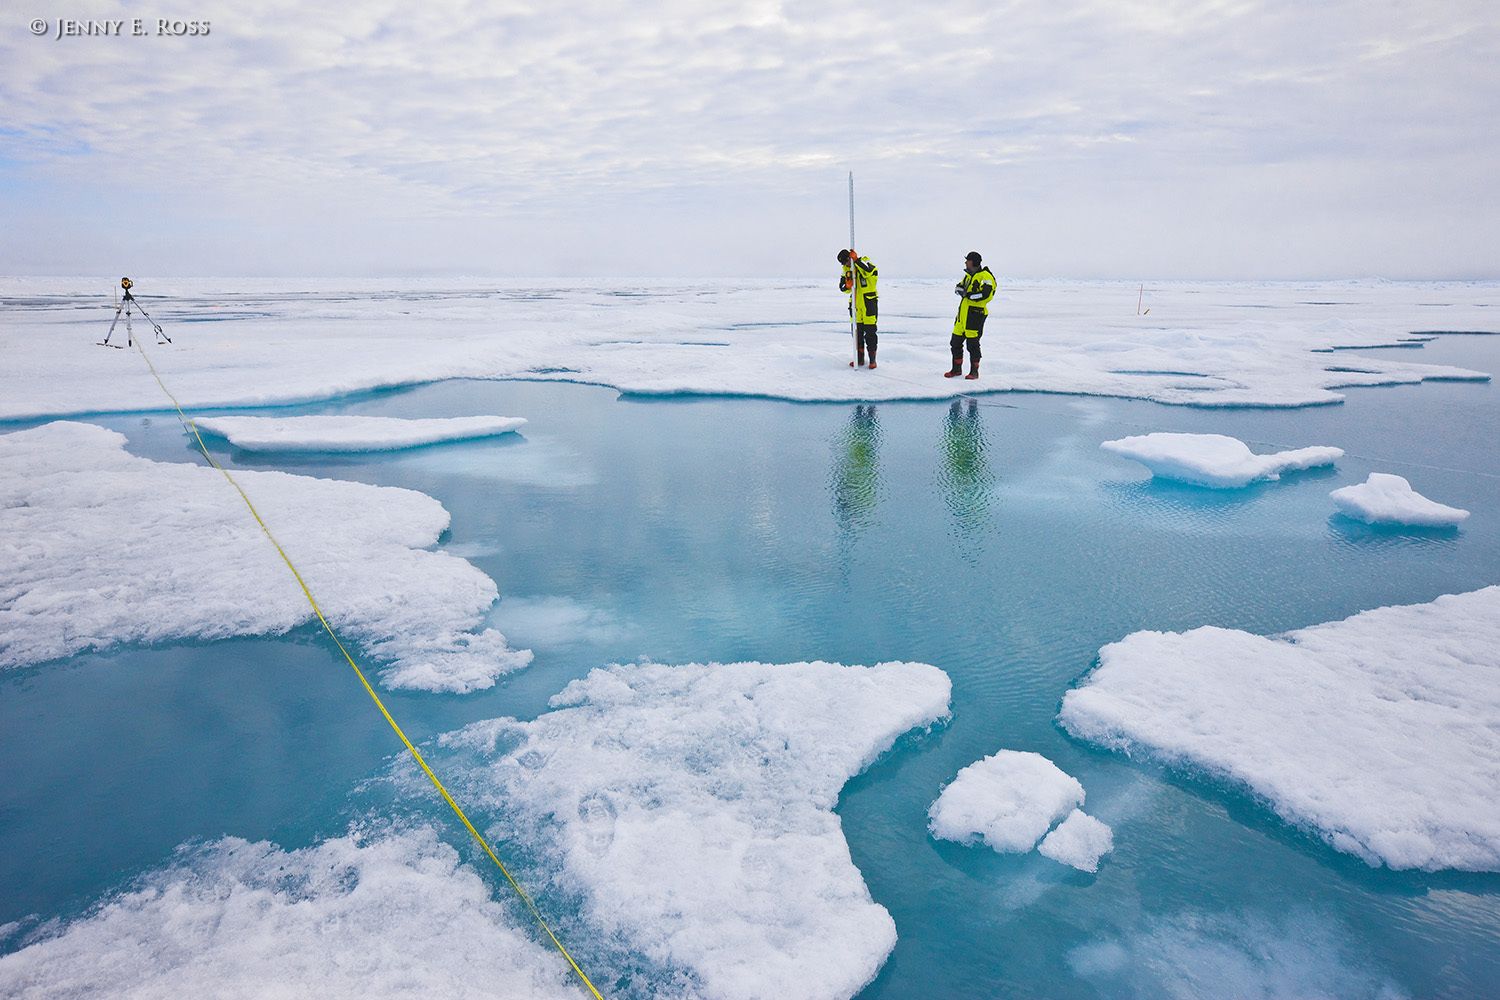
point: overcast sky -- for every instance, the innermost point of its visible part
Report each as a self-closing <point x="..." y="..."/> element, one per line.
<point x="1131" y="138"/>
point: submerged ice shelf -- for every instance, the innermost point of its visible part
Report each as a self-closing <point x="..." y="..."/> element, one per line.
<point x="103" y="547"/>
<point x="1376" y="732"/>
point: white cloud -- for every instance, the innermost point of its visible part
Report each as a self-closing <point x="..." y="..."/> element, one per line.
<point x="484" y="136"/>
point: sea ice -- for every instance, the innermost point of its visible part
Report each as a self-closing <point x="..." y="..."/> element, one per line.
<point x="1387" y="499"/>
<point x="351" y="433"/>
<point x="1080" y="841"/>
<point x="356" y="917"/>
<point x="1213" y="344"/>
<point x="1008" y="800"/>
<point x="1214" y="460"/>
<point x="99" y="547"/>
<point x="692" y="807"/>
<point x="1377" y="732"/>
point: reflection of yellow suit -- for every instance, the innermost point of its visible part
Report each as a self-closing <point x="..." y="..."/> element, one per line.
<point x="856" y="471"/>
<point x="967" y="478"/>
<point x="866" y="296"/>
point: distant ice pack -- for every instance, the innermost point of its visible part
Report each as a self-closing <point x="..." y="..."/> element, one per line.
<point x="1378" y="732"/>
<point x="1215" y="460"/>
<point x="1010" y="800"/>
<point x="1387" y="499"/>
<point x="351" y="433"/>
<point x="692" y="808"/>
<point x="1203" y="343"/>
<point x="103" y="548"/>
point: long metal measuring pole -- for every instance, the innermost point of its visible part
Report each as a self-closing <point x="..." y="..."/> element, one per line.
<point x="853" y="275"/>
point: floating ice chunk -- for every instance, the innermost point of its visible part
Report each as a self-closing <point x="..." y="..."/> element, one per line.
<point x="1007" y="800"/>
<point x="99" y="547"/>
<point x="1080" y="841"/>
<point x="1377" y="732"/>
<point x="349" y="433"/>
<point x="350" y="917"/>
<point x="692" y="806"/>
<point x="1387" y="499"/>
<point x="1214" y="460"/>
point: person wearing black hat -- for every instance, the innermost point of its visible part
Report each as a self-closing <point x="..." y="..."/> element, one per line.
<point x="860" y="276"/>
<point x="974" y="290"/>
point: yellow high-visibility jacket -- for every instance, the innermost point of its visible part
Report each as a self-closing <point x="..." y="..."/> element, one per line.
<point x="975" y="292"/>
<point x="866" y="298"/>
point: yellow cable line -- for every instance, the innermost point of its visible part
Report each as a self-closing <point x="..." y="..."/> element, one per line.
<point x="188" y="423"/>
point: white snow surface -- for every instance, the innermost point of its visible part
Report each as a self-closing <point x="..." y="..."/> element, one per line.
<point x="354" y="917"/>
<point x="1079" y="841"/>
<point x="258" y="341"/>
<point x="692" y="806"/>
<point x="1381" y="732"/>
<point x="1388" y="499"/>
<point x="99" y="547"/>
<point x="351" y="433"/>
<point x="1008" y="801"/>
<point x="1214" y="460"/>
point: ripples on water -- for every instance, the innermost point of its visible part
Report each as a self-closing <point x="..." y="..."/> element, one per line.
<point x="997" y="543"/>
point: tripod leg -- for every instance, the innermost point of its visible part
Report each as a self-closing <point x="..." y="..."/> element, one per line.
<point x="105" y="342"/>
<point x="154" y="324"/>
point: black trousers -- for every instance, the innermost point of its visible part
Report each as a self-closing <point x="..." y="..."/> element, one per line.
<point x="957" y="345"/>
<point x="866" y="339"/>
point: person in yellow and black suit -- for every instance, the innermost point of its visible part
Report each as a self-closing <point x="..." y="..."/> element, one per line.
<point x="974" y="290"/>
<point x="860" y="275"/>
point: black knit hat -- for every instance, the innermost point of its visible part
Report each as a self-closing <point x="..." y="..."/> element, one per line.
<point x="973" y="257"/>
<point x="843" y="256"/>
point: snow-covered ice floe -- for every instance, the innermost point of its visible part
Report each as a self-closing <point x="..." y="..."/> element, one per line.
<point x="1080" y="840"/>
<point x="99" y="547"/>
<point x="1215" y="460"/>
<point x="1010" y="800"/>
<point x="1377" y="732"/>
<point x="351" y="433"/>
<point x="1387" y="499"/>
<point x="389" y="914"/>
<point x="278" y="341"/>
<point x="692" y="808"/>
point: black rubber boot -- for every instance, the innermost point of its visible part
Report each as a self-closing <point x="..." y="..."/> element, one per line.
<point x="957" y="369"/>
<point x="858" y="364"/>
<point x="973" y="369"/>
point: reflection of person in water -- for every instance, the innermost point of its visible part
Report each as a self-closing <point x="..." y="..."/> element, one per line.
<point x="856" y="469"/>
<point x="966" y="479"/>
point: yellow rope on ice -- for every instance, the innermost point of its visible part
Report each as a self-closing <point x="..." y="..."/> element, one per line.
<point x="192" y="428"/>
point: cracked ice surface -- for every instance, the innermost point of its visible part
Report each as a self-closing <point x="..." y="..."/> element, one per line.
<point x="1218" y="344"/>
<point x="1378" y="732"/>
<point x="693" y="808"/>
<point x="99" y="547"/>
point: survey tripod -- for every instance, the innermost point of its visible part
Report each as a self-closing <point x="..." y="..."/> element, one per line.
<point x="127" y="304"/>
